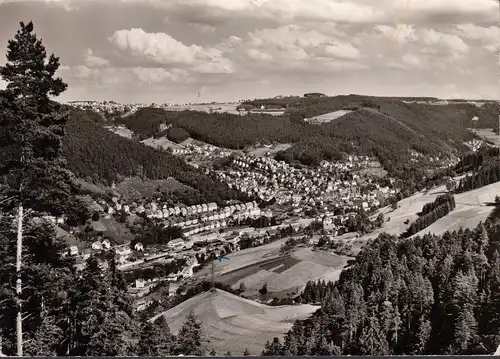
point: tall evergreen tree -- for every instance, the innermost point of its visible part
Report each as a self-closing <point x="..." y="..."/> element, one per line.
<point x="32" y="174"/>
<point x="190" y="338"/>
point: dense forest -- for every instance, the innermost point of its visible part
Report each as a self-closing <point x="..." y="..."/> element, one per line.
<point x="472" y="161"/>
<point x="96" y="154"/>
<point x="47" y="306"/>
<point x="426" y="295"/>
<point x="486" y="173"/>
<point x="431" y="212"/>
<point x="383" y="127"/>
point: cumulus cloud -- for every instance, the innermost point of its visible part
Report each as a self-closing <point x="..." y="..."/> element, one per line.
<point x="93" y="61"/>
<point x="291" y="41"/>
<point x="163" y="49"/>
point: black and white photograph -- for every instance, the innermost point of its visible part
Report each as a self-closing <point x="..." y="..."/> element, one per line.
<point x="216" y="178"/>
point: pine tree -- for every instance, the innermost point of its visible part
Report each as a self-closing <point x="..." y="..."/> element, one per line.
<point x="32" y="173"/>
<point x="190" y="338"/>
<point x="102" y="323"/>
<point x="273" y="349"/>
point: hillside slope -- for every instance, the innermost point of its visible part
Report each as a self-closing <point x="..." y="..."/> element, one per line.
<point x="384" y="127"/>
<point x="235" y="324"/>
<point x="97" y="154"/>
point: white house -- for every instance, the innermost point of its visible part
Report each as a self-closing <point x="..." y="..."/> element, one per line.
<point x="139" y="247"/>
<point x="73" y="250"/>
<point x="97" y="246"/>
<point x="106" y="244"/>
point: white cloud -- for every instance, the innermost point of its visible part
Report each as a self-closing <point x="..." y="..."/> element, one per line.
<point x="160" y="47"/>
<point x="291" y="41"/>
<point x="163" y="49"/>
<point x="93" y="61"/>
<point x="113" y="76"/>
<point x="431" y="37"/>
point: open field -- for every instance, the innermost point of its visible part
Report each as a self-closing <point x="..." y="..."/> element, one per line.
<point x="235" y="324"/>
<point x="489" y="135"/>
<point x="284" y="274"/>
<point x="407" y="210"/>
<point x="117" y="231"/>
<point x="470" y="210"/>
<point x="121" y="131"/>
<point x="328" y="117"/>
<point x="261" y="151"/>
<point x="137" y="188"/>
<point x="160" y="143"/>
<point x="230" y="108"/>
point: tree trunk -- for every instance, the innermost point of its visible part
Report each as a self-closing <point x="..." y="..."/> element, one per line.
<point x="19" y="322"/>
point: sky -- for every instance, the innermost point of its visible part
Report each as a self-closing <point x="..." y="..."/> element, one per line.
<point x="144" y="51"/>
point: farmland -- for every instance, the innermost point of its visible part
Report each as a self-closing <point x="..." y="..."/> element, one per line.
<point x="261" y="151"/>
<point x="471" y="208"/>
<point x="328" y="117"/>
<point x="284" y="275"/>
<point x="235" y="324"/>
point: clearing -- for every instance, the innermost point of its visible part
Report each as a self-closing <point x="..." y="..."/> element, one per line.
<point x="471" y="208"/>
<point x="285" y="275"/>
<point x="328" y="117"/>
<point x="234" y="323"/>
<point x="136" y="188"/>
<point x="121" y="131"/>
<point x="489" y="135"/>
<point x="262" y="151"/>
<point x="160" y="143"/>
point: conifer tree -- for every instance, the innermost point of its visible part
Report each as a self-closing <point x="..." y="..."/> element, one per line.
<point x="32" y="174"/>
<point x="190" y="338"/>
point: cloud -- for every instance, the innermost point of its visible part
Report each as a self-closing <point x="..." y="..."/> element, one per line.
<point x="297" y="43"/>
<point x="93" y="61"/>
<point x="163" y="49"/>
<point x="113" y="75"/>
<point x="233" y="46"/>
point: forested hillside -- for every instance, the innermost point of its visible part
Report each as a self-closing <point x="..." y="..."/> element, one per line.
<point x="97" y="154"/>
<point x="384" y="127"/>
<point x="426" y="295"/>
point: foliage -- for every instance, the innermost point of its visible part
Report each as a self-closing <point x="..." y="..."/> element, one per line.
<point x="430" y="295"/>
<point x="431" y="212"/>
<point x="177" y="134"/>
<point x="32" y="169"/>
<point x="190" y="339"/>
<point x="486" y="173"/>
<point x="98" y="155"/>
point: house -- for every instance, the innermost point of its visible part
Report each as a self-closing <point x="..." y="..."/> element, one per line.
<point x="73" y="250"/>
<point x="123" y="251"/>
<point x="328" y="224"/>
<point x="106" y="244"/>
<point x="139" y="283"/>
<point x="139" y="247"/>
<point x="97" y="246"/>
<point x="176" y="244"/>
<point x="140" y="209"/>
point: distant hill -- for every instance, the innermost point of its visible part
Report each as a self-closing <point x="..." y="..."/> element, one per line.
<point x="234" y="323"/>
<point x="388" y="128"/>
<point x="96" y="154"/>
